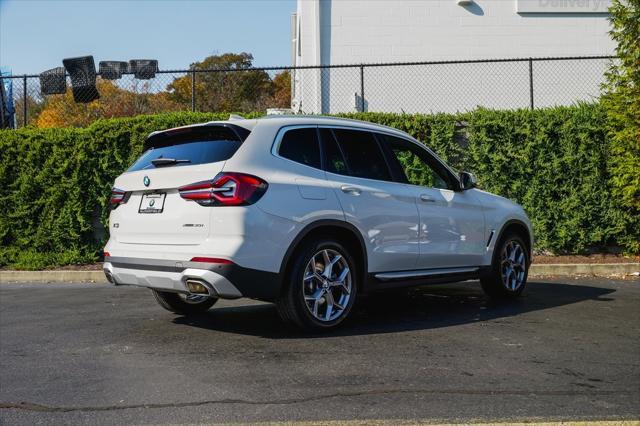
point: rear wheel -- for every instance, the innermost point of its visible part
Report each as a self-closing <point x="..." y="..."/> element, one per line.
<point x="184" y="304"/>
<point x="321" y="286"/>
<point x="509" y="270"/>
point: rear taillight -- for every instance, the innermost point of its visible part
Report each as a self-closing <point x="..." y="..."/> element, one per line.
<point x="118" y="196"/>
<point x="226" y="189"/>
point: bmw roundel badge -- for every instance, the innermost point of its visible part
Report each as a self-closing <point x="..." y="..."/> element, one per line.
<point x="146" y="181"/>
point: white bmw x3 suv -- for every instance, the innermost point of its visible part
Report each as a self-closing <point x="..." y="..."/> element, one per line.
<point x="308" y="212"/>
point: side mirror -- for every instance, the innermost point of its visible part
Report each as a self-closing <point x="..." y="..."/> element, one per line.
<point x="467" y="181"/>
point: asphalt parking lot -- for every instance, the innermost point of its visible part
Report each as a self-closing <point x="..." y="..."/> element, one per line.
<point x="89" y="353"/>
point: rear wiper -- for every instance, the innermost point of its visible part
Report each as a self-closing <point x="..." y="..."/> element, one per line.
<point x="159" y="162"/>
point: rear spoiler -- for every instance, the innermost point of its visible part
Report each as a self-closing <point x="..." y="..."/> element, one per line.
<point x="198" y="132"/>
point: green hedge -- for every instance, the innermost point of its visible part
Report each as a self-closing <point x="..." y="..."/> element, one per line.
<point x="55" y="186"/>
<point x="55" y="183"/>
<point x="552" y="161"/>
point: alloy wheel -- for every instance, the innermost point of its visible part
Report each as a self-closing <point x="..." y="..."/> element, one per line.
<point x="513" y="265"/>
<point x="327" y="285"/>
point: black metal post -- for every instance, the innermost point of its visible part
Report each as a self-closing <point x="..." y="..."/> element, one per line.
<point x="362" y="88"/>
<point x="2" y="103"/>
<point x="193" y="91"/>
<point x="25" y="110"/>
<point x="531" y="81"/>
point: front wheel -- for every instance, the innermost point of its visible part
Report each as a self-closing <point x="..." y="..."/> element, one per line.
<point x="509" y="270"/>
<point x="320" y="286"/>
<point x="184" y="304"/>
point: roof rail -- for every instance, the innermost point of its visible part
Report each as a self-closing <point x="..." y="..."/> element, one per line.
<point x="330" y="117"/>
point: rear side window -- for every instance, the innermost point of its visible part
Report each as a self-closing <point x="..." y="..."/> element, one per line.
<point x="194" y="145"/>
<point x="301" y="146"/>
<point x="362" y="154"/>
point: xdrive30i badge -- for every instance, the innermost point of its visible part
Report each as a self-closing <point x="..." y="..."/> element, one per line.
<point x="146" y="181"/>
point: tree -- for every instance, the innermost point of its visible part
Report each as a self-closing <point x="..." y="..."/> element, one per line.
<point x="114" y="101"/>
<point x="282" y="90"/>
<point x="231" y="85"/>
<point x="34" y="108"/>
<point x="622" y="101"/>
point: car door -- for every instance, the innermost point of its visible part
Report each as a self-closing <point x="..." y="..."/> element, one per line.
<point x="384" y="211"/>
<point x="452" y="224"/>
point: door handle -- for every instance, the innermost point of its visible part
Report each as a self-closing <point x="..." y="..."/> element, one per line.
<point x="350" y="190"/>
<point x="426" y="198"/>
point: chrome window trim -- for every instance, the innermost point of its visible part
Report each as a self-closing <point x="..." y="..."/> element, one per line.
<point x="390" y="132"/>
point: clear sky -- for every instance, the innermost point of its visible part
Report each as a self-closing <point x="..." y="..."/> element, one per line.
<point x="36" y="35"/>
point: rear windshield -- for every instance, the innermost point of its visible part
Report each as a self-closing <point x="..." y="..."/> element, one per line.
<point x="193" y="145"/>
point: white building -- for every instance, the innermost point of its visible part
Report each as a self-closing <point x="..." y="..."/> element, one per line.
<point x="330" y="32"/>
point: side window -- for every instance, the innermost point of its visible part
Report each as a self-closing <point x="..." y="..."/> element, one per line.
<point x="335" y="162"/>
<point x="417" y="165"/>
<point x="301" y="146"/>
<point x="362" y="154"/>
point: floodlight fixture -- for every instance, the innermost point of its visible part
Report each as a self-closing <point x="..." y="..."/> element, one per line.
<point x="53" y="81"/>
<point x="82" y="71"/>
<point x="112" y="70"/>
<point x="143" y="69"/>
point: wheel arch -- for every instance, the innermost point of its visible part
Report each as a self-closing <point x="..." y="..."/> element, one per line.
<point x="520" y="228"/>
<point x="343" y="232"/>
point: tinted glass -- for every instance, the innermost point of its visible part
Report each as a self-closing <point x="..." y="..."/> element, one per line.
<point x="301" y="146"/>
<point x="362" y="154"/>
<point x="334" y="160"/>
<point x="416" y="164"/>
<point x="207" y="144"/>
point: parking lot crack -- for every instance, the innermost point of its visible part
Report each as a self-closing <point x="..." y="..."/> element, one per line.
<point x="29" y="406"/>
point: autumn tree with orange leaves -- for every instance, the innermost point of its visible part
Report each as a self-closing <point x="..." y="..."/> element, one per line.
<point x="232" y="85"/>
<point x="63" y="111"/>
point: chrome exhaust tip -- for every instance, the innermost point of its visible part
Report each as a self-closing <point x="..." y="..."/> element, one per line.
<point x="198" y="287"/>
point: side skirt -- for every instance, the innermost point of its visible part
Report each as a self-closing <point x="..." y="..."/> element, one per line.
<point x="398" y="279"/>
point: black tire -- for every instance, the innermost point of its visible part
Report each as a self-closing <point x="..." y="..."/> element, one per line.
<point x="173" y="302"/>
<point x="292" y="306"/>
<point x="493" y="283"/>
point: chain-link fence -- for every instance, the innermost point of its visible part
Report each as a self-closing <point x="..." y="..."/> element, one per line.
<point x="418" y="87"/>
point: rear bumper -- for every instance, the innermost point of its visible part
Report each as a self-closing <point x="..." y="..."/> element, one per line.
<point x="229" y="281"/>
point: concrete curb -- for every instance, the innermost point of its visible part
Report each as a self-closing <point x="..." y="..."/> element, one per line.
<point x="595" y="269"/>
<point x="52" y="276"/>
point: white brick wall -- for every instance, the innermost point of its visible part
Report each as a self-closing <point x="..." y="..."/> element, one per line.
<point x="365" y="31"/>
